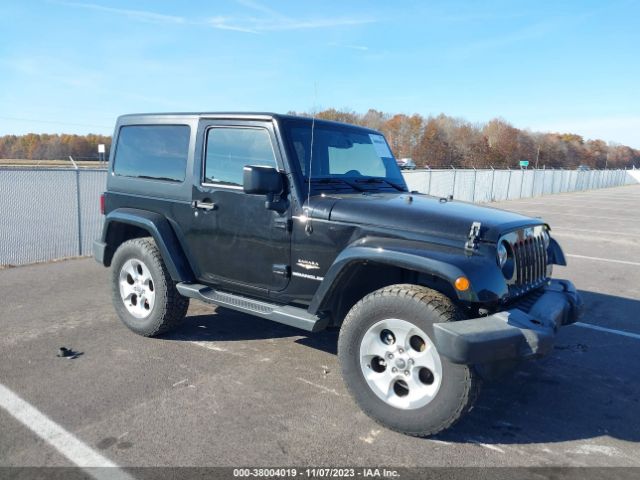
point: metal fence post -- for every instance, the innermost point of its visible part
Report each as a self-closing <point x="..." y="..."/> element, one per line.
<point x="473" y="192"/>
<point x="521" y="181"/>
<point x="509" y="182"/>
<point x="533" y="183"/>
<point x="77" y="171"/>
<point x="430" y="175"/>
<point x="453" y="188"/>
<point x="493" y="177"/>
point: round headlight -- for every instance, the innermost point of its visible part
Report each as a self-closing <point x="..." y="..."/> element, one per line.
<point x="502" y="254"/>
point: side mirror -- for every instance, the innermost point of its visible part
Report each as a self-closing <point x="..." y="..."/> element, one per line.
<point x="259" y="180"/>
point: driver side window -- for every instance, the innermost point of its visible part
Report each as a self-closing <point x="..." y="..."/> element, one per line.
<point x="229" y="149"/>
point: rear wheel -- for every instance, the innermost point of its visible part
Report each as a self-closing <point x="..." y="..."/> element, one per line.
<point x="392" y="367"/>
<point x="144" y="295"/>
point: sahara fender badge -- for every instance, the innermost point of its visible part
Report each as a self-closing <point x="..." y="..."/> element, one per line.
<point x="308" y="264"/>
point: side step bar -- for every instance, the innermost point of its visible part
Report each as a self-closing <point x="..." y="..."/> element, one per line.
<point x="286" y="314"/>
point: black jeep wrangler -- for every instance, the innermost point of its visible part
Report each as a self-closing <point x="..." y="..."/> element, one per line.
<point x="310" y="223"/>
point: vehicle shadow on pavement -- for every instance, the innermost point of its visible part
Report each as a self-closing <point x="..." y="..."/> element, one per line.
<point x="587" y="388"/>
<point x="230" y="326"/>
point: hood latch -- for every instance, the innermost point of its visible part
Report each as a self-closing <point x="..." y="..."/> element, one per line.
<point x="472" y="239"/>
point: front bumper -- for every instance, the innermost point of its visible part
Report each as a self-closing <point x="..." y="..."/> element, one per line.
<point x="515" y="333"/>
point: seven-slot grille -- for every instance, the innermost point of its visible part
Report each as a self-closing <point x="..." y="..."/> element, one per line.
<point x="529" y="257"/>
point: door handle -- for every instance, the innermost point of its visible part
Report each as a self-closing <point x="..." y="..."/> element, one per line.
<point x="204" y="205"/>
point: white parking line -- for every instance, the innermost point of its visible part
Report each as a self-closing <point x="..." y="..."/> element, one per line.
<point x="601" y="232"/>
<point x="64" y="442"/>
<point x="321" y="387"/>
<point x="615" y="206"/>
<point x="546" y="213"/>
<point x="488" y="446"/>
<point x="599" y="259"/>
<point x="608" y="330"/>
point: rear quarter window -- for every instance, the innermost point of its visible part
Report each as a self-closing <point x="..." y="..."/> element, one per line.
<point x="156" y="152"/>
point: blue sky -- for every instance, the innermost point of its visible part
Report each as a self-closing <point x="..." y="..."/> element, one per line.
<point x="73" y="66"/>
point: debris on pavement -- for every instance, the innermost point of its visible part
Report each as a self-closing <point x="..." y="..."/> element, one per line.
<point x="64" y="352"/>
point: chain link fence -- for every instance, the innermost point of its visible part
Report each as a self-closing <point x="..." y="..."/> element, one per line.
<point x="473" y="185"/>
<point x="49" y="213"/>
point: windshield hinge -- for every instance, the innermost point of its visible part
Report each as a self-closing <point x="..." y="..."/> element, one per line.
<point x="472" y="239"/>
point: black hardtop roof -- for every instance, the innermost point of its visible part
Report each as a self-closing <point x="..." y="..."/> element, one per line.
<point x="137" y="117"/>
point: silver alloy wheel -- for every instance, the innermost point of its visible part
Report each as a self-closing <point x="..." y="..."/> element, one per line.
<point x="137" y="289"/>
<point x="400" y="364"/>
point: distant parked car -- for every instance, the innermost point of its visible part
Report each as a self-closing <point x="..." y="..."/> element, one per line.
<point x="406" y="164"/>
<point x="583" y="168"/>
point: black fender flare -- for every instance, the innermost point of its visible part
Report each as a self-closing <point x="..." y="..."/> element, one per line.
<point x="487" y="284"/>
<point x="555" y="253"/>
<point x="160" y="229"/>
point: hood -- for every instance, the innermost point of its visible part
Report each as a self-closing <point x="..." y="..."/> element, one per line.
<point x="419" y="213"/>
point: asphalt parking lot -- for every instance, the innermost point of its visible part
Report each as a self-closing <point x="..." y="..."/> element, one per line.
<point x="227" y="389"/>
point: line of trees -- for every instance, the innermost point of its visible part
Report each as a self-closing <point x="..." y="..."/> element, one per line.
<point x="444" y="141"/>
<point x="439" y="141"/>
<point x="46" y="146"/>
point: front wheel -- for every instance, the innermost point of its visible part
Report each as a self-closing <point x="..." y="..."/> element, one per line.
<point x="393" y="369"/>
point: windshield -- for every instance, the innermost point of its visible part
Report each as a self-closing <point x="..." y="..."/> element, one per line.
<point x="343" y="153"/>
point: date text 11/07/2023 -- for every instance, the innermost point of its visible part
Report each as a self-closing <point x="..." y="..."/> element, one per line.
<point x="315" y="473"/>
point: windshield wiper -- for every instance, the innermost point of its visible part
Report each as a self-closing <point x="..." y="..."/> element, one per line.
<point x="381" y="180"/>
<point x="396" y="186"/>
<point x="330" y="180"/>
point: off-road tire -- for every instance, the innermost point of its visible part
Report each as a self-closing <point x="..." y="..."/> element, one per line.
<point x="169" y="308"/>
<point x="421" y="307"/>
